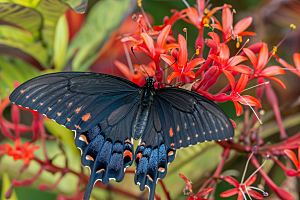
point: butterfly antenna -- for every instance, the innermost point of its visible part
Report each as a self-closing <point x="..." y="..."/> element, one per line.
<point x="167" y="67"/>
<point x="139" y="61"/>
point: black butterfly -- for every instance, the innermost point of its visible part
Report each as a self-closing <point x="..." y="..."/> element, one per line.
<point x="108" y="112"/>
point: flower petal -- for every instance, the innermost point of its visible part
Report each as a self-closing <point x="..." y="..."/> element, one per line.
<point x="255" y="194"/>
<point x="169" y="60"/>
<point x="238" y="107"/>
<point x="229" y="193"/>
<point x="272" y="70"/>
<point x="162" y="37"/>
<point x="241" y="83"/>
<point x="224" y="53"/>
<point x="143" y="50"/>
<point x="242" y="25"/>
<point x="277" y="80"/>
<point x="292" y="156"/>
<point x="236" y="60"/>
<point x="149" y="43"/>
<point x="124" y="69"/>
<point x="217" y="26"/>
<point x="189" y="74"/>
<point x="215" y="37"/>
<point x="194" y="63"/>
<point x="297" y="60"/>
<point x="204" y="192"/>
<point x="173" y="75"/>
<point x="247" y="33"/>
<point x="230" y="78"/>
<point x="182" y="58"/>
<point x="251" y="180"/>
<point x="170" y="46"/>
<point x="262" y="58"/>
<point x="251" y="56"/>
<point x="232" y="181"/>
<point x="192" y="14"/>
<point x="243" y="69"/>
<point x="226" y="21"/>
<point x="248" y="100"/>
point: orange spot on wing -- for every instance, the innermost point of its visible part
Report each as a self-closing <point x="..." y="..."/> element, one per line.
<point x="100" y="170"/>
<point x="142" y="144"/>
<point x="68" y="119"/>
<point x="27" y="97"/>
<point x="33" y="100"/>
<point x="178" y="128"/>
<point x="188" y="138"/>
<point x="49" y="108"/>
<point x="171" y="132"/>
<point x="193" y="124"/>
<point x="70" y="104"/>
<point x="216" y="130"/>
<point x="127" y="153"/>
<point x="58" y="100"/>
<point x="209" y="131"/>
<point x="172" y="144"/>
<point x="82" y="137"/>
<point x="161" y="169"/>
<point x="170" y="153"/>
<point x="86" y="117"/>
<point x="128" y="141"/>
<point x="203" y="133"/>
<point x="149" y="177"/>
<point x="222" y="128"/>
<point x="88" y="157"/>
<point x="59" y="114"/>
<point x="78" y="109"/>
<point x="180" y="141"/>
<point x="196" y="135"/>
<point x="41" y="103"/>
<point x="77" y="126"/>
<point x="22" y="91"/>
<point x="139" y="156"/>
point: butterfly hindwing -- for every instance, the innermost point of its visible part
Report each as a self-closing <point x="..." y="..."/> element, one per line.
<point x="188" y="118"/>
<point x="107" y="148"/>
<point x="76" y="100"/>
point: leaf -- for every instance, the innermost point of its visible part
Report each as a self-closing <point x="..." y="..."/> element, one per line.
<point x="22" y="17"/>
<point x="11" y="70"/>
<point x="6" y="183"/>
<point x="78" y="6"/>
<point x="35" y="50"/>
<point x="103" y="18"/>
<point x="15" y="34"/>
<point x="60" y="42"/>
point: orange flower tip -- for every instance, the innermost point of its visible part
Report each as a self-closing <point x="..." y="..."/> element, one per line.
<point x="293" y="26"/>
<point x="237" y="45"/>
<point x="206" y="25"/>
<point x="205" y="11"/>
<point x="134" y="18"/>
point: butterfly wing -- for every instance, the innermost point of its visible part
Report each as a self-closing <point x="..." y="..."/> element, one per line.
<point x="76" y="100"/>
<point x="152" y="155"/>
<point x="100" y="109"/>
<point x="188" y="118"/>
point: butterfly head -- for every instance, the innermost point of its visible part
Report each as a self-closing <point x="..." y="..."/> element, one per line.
<point x="150" y="80"/>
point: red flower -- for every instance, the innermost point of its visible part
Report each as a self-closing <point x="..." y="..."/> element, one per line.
<point x="238" y="29"/>
<point x="241" y="188"/>
<point x="293" y="157"/>
<point x="296" y="61"/>
<point x="260" y="62"/>
<point x="22" y="152"/>
<point x="183" y="68"/>
<point x="235" y="96"/>
<point x="138" y="75"/>
<point x="230" y="64"/>
<point x="189" y="190"/>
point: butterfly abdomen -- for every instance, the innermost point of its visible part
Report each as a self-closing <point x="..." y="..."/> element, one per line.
<point x="142" y="116"/>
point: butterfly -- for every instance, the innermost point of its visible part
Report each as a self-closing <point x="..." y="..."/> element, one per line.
<point x="107" y="112"/>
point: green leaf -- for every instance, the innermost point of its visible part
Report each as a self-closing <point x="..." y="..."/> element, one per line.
<point x="36" y="50"/>
<point x="15" y="34"/>
<point x="11" y="70"/>
<point x="22" y="17"/>
<point x="78" y="6"/>
<point x="103" y="18"/>
<point x="6" y="183"/>
<point x="60" y="42"/>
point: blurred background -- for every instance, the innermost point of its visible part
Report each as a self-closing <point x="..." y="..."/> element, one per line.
<point x="39" y="36"/>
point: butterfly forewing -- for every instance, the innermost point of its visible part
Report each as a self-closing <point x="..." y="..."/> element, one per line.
<point x="188" y="118"/>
